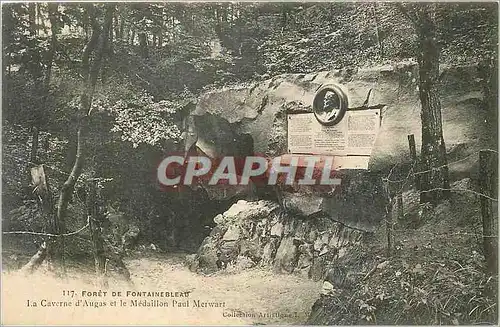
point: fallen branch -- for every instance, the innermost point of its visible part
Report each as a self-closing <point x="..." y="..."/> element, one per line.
<point x="370" y="272"/>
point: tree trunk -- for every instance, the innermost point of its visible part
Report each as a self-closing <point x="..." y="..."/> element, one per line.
<point x="52" y="8"/>
<point x="172" y="38"/>
<point x="143" y="45"/>
<point x="111" y="38"/>
<point x="163" y="20"/>
<point x="488" y="163"/>
<point x="132" y="36"/>
<point x="36" y="71"/>
<point x="85" y="24"/>
<point x="488" y="72"/>
<point x="121" y="26"/>
<point x="34" y="142"/>
<point x="160" y="35"/>
<point x="433" y="154"/>
<point x="96" y="215"/>
<point x="97" y="44"/>
<point x="124" y="32"/>
<point x="37" y="74"/>
<point x="32" y="18"/>
<point x="284" y="16"/>
<point x="116" y="27"/>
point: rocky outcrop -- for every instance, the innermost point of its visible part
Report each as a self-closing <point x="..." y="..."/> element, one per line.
<point x="250" y="118"/>
<point x="247" y="119"/>
<point x="261" y="233"/>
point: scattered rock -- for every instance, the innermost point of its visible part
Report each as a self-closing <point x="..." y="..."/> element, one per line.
<point x="243" y="262"/>
<point x="192" y="262"/>
<point x="324" y="250"/>
<point x="289" y="228"/>
<point x="327" y="288"/>
<point x="418" y="269"/>
<point x="312" y="235"/>
<point x="217" y="232"/>
<point x="337" y="276"/>
<point x="232" y="234"/>
<point x="219" y="219"/>
<point x="228" y="251"/>
<point x="300" y="231"/>
<point x="251" y="249"/>
<point x="277" y="230"/>
<point x="207" y="259"/>
<point x="303" y="204"/>
<point x="286" y="256"/>
<point x="270" y="251"/>
<point x="305" y="257"/>
<point x="248" y="210"/>
<point x="382" y="265"/>
<point x="318" y="244"/>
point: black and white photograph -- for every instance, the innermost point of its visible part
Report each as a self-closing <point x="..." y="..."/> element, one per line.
<point x="249" y="163"/>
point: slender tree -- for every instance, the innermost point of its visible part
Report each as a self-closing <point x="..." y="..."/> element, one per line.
<point x="435" y="181"/>
<point x="96" y="47"/>
<point x="37" y="73"/>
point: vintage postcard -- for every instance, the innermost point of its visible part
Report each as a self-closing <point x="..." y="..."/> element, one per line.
<point x="249" y="163"/>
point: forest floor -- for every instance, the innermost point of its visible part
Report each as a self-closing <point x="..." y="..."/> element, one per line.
<point x="434" y="275"/>
<point x="249" y="297"/>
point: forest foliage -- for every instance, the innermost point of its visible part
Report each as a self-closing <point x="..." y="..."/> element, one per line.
<point x="161" y="56"/>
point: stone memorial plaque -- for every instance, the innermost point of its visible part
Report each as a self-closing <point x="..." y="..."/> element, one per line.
<point x="354" y="135"/>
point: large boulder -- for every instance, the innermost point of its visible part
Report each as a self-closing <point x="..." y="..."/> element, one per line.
<point x="286" y="256"/>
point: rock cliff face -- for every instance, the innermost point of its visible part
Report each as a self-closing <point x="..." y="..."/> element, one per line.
<point x="251" y="119"/>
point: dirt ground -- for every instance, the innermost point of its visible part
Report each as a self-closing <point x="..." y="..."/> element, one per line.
<point x="248" y="297"/>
